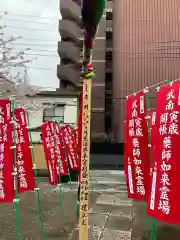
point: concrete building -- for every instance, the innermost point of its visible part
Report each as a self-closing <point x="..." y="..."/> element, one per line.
<point x="142" y="38"/>
<point x="65" y="110"/>
<point x="70" y="48"/>
<point x="146" y="45"/>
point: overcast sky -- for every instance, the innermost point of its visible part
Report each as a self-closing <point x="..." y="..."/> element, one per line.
<point x="36" y="21"/>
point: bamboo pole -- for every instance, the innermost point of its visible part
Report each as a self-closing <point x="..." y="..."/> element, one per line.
<point x="85" y="157"/>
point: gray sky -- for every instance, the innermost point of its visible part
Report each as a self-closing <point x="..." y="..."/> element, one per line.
<point x="36" y="21"/>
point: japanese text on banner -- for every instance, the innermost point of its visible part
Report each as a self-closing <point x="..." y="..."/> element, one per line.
<point x="7" y="193"/>
<point x="70" y="147"/>
<point x="84" y="178"/>
<point x="138" y="152"/>
<point x="61" y="160"/>
<point x="50" y="152"/>
<point x="164" y="195"/>
<point x="25" y="173"/>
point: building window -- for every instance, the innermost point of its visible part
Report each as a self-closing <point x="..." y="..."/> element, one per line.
<point x="56" y="113"/>
<point x="109" y="14"/>
<point x="109" y="33"/>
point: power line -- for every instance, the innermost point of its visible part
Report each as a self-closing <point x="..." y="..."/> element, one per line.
<point x="31" y="44"/>
<point x="42" y="55"/>
<point x="34" y="39"/>
<point x="34" y="29"/>
<point x="16" y="20"/>
<point x="27" y="15"/>
<point x="35" y="50"/>
<point x="48" y="69"/>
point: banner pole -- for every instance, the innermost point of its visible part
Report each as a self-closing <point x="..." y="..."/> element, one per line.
<point x="69" y="175"/>
<point x="37" y="189"/>
<point x="153" y="227"/>
<point x="16" y="200"/>
<point x="85" y="157"/>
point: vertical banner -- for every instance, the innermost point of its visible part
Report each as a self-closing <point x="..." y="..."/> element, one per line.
<point x="85" y="155"/>
<point x="164" y="196"/>
<point x="25" y="173"/>
<point x="76" y="135"/>
<point x="50" y="152"/>
<point x="68" y="141"/>
<point x="5" y="111"/>
<point x="61" y="160"/>
<point x="138" y="165"/>
<point x="152" y="114"/>
<point x="7" y="193"/>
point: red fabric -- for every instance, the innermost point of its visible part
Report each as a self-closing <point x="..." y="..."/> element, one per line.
<point x="26" y="181"/>
<point x="76" y="135"/>
<point x="20" y="117"/>
<point x="5" y="111"/>
<point x="7" y="193"/>
<point x="69" y="145"/>
<point x="164" y="197"/>
<point x="50" y="152"/>
<point x="125" y="149"/>
<point x="60" y="152"/>
<point x="152" y="113"/>
<point x="138" y="166"/>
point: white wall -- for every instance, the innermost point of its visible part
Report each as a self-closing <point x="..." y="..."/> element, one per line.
<point x="70" y="114"/>
<point x="36" y="117"/>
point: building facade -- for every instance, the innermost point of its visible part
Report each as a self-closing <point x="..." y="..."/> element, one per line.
<point x="137" y="45"/>
<point x="146" y="45"/>
<point x="65" y="110"/>
<point x="70" y="50"/>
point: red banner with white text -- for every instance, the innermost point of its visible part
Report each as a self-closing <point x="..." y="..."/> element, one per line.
<point x="76" y="136"/>
<point x="50" y="152"/>
<point x="25" y="173"/>
<point x="69" y="145"/>
<point x="152" y="113"/>
<point x="164" y="195"/>
<point x="7" y="193"/>
<point x="138" y="164"/>
<point x="126" y="150"/>
<point x="5" y="111"/>
<point x="60" y="151"/>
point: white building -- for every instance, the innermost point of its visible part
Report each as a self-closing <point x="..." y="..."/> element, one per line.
<point x="65" y="110"/>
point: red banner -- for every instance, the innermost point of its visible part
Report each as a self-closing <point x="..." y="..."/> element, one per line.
<point x="5" y="111"/>
<point x="138" y="165"/>
<point x="50" y="152"/>
<point x="69" y="144"/>
<point x="76" y="136"/>
<point x="152" y="113"/>
<point x="20" y="117"/>
<point x="25" y="173"/>
<point x="7" y="193"/>
<point x="60" y="151"/>
<point x="126" y="148"/>
<point x="164" y="197"/>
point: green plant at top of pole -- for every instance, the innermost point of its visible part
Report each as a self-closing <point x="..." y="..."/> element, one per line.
<point x="37" y="189"/>
<point x="16" y="200"/>
<point x="59" y="175"/>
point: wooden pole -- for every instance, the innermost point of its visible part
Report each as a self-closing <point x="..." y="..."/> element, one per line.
<point x="85" y="156"/>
